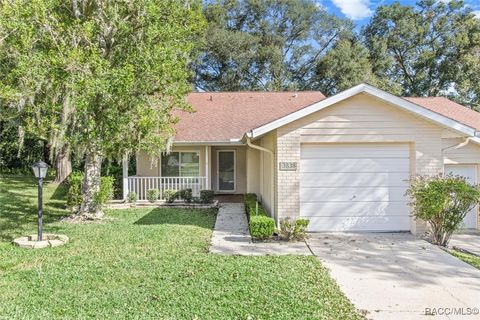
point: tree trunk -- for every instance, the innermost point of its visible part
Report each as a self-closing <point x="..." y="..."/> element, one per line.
<point x="91" y="186"/>
<point x="63" y="165"/>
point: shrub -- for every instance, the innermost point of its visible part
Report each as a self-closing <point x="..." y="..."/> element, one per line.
<point x="442" y="201"/>
<point x="293" y="229"/>
<point x="74" y="195"/>
<point x="152" y="195"/>
<point x="132" y="197"/>
<point x="261" y="227"/>
<point x="106" y="191"/>
<point x="169" y="195"/>
<point x="196" y="200"/>
<point x="186" y="195"/>
<point x="206" y="196"/>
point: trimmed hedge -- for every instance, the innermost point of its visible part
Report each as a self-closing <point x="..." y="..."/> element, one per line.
<point x="206" y="196"/>
<point x="261" y="225"/>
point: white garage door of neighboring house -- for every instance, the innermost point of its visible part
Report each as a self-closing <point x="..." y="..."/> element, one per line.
<point x="355" y="187"/>
<point x="469" y="172"/>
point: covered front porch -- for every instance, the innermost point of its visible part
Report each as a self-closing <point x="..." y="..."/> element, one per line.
<point x="221" y="168"/>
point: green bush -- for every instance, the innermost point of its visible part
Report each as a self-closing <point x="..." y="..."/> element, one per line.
<point x="293" y="229"/>
<point x="206" y="196"/>
<point x="186" y="195"/>
<point x="132" y="197"/>
<point x="442" y="201"/>
<point x="196" y="200"/>
<point x="261" y="227"/>
<point x="74" y="195"/>
<point x="106" y="191"/>
<point x="152" y="195"/>
<point x="170" y="195"/>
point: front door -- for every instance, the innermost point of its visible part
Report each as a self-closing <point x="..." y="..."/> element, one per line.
<point x="470" y="173"/>
<point x="226" y="170"/>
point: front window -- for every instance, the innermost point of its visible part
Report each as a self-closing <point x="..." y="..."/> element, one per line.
<point x="181" y="164"/>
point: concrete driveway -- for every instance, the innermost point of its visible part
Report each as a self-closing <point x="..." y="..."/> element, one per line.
<point x="469" y="241"/>
<point x="397" y="276"/>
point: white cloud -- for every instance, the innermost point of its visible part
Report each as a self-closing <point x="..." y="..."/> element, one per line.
<point x="477" y="13"/>
<point x="354" y="9"/>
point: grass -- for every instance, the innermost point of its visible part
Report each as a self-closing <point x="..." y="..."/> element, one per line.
<point x="466" y="257"/>
<point x="148" y="263"/>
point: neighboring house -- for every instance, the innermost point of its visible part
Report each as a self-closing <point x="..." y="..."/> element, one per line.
<point x="342" y="161"/>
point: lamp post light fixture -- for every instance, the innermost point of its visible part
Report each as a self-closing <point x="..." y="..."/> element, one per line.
<point x="40" y="171"/>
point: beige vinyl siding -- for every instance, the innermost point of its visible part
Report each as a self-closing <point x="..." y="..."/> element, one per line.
<point x="360" y="119"/>
<point x="267" y="172"/>
<point x="469" y="154"/>
<point x="240" y="168"/>
<point x="147" y="166"/>
<point x="253" y="171"/>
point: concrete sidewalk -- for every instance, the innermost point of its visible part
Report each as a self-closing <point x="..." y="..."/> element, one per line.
<point x="231" y="236"/>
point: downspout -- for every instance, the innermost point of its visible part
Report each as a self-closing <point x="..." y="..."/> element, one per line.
<point x="270" y="152"/>
<point x="455" y="146"/>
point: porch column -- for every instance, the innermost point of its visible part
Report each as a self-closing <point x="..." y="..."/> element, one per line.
<point x="207" y="167"/>
<point x="125" y="176"/>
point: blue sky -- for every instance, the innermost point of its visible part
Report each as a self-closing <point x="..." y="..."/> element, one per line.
<point x="360" y="11"/>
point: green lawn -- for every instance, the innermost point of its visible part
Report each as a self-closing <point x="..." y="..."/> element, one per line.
<point x="144" y="263"/>
<point x="466" y="257"/>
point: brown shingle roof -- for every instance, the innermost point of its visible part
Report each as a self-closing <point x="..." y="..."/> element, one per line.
<point x="449" y="109"/>
<point x="222" y="116"/>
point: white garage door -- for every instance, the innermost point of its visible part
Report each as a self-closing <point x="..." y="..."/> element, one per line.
<point x="355" y="187"/>
<point x="470" y="173"/>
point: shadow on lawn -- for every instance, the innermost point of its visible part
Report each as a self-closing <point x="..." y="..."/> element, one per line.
<point x="18" y="206"/>
<point x="204" y="218"/>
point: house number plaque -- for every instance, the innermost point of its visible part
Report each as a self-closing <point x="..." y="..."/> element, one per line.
<point x="288" y="166"/>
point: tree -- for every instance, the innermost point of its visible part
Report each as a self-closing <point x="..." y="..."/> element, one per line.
<point x="443" y="202"/>
<point x="423" y="48"/>
<point x="345" y="65"/>
<point x="99" y="76"/>
<point x="265" y="44"/>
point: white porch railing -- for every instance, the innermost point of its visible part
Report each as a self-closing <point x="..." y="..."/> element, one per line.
<point x="140" y="185"/>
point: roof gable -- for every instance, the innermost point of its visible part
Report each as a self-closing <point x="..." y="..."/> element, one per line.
<point x="401" y="103"/>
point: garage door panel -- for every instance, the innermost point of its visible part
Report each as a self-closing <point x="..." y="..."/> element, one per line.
<point x="369" y="223"/>
<point x="348" y="208"/>
<point x="353" y="194"/>
<point x="350" y="151"/>
<point x="361" y="179"/>
<point x="354" y="165"/>
<point x="355" y="187"/>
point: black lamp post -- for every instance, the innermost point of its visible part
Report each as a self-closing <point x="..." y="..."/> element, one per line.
<point x="40" y="171"/>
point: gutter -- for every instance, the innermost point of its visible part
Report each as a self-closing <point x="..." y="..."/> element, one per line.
<point x="455" y="146"/>
<point x="272" y="182"/>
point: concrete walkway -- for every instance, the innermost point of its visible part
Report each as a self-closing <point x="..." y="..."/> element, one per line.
<point x="398" y="276"/>
<point x="469" y="241"/>
<point x="231" y="236"/>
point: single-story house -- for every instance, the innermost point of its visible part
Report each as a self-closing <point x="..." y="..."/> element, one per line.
<point x="343" y="161"/>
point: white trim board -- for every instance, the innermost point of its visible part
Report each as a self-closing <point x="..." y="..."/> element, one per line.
<point x="373" y="91"/>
